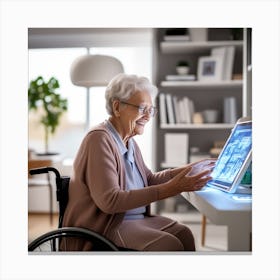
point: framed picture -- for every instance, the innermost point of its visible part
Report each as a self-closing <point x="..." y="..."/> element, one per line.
<point x="210" y="68"/>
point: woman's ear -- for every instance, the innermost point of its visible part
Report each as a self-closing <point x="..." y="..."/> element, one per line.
<point x="116" y="108"/>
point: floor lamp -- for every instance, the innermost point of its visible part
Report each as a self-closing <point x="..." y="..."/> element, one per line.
<point x="94" y="71"/>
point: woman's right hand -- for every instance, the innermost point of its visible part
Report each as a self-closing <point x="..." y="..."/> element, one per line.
<point x="183" y="182"/>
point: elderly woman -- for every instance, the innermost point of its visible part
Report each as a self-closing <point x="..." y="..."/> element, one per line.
<point x="111" y="187"/>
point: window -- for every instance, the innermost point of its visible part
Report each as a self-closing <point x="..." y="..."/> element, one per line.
<point x="57" y="62"/>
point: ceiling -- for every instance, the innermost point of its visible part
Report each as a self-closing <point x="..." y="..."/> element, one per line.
<point x="88" y="37"/>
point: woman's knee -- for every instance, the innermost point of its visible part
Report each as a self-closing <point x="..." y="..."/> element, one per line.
<point x="166" y="242"/>
<point x="186" y="237"/>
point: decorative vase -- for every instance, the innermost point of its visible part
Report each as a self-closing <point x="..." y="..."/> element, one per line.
<point x="182" y="70"/>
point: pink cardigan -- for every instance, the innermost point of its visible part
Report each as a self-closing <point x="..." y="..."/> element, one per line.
<point x="97" y="196"/>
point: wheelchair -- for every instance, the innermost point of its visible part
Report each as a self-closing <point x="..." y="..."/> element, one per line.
<point x="50" y="241"/>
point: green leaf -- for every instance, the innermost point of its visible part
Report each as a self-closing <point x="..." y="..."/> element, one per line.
<point x="43" y="94"/>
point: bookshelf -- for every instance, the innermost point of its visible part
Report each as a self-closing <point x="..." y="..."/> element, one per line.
<point x="195" y="47"/>
<point x="207" y="85"/>
<point x="204" y="94"/>
<point x="196" y="126"/>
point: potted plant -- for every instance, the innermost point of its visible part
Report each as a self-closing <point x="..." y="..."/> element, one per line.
<point x="182" y="67"/>
<point x="42" y="94"/>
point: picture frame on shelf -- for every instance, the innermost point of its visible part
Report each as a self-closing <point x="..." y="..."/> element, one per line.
<point x="210" y="68"/>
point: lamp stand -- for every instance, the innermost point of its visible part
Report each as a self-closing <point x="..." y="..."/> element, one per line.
<point x="87" y="124"/>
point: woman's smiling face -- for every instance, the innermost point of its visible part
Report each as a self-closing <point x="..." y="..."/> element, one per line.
<point x="130" y="121"/>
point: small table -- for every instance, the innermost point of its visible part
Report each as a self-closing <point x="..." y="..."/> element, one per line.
<point x="232" y="210"/>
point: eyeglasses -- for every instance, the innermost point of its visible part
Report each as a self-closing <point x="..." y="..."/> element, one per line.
<point x="143" y="110"/>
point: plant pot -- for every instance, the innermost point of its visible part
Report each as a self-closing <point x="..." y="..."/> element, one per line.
<point x="210" y="116"/>
<point x="182" y="70"/>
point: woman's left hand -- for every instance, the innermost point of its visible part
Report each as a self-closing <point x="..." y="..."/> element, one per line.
<point x="197" y="167"/>
<point x="202" y="165"/>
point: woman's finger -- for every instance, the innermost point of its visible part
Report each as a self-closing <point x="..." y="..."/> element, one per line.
<point x="202" y="174"/>
<point x="185" y="172"/>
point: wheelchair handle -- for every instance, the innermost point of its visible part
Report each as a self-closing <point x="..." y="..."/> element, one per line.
<point x="42" y="170"/>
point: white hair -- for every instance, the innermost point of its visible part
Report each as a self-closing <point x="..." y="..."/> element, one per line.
<point x="123" y="86"/>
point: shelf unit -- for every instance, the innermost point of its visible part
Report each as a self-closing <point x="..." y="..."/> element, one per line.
<point x="197" y="126"/>
<point x="191" y="47"/>
<point x="205" y="95"/>
<point x="202" y="84"/>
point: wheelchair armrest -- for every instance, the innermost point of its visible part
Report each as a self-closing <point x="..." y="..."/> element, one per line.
<point x="42" y="170"/>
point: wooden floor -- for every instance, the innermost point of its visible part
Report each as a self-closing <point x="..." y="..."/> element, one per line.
<point x="39" y="224"/>
<point x="216" y="236"/>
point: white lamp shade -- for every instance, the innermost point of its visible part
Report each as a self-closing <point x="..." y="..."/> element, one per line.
<point x="94" y="70"/>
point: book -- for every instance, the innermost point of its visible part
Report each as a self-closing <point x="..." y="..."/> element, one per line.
<point x="192" y="109"/>
<point x="188" y="106"/>
<point x="176" y="109"/>
<point x="170" y="109"/>
<point x="162" y="109"/>
<point x="181" y="77"/>
<point x="182" y="111"/>
<point x="230" y="110"/>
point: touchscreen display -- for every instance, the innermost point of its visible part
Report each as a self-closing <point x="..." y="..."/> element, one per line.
<point x="233" y="155"/>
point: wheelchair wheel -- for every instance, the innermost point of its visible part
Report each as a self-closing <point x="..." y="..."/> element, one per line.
<point x="50" y="242"/>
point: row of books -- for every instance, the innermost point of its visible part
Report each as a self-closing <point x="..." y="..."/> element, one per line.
<point x="174" y="109"/>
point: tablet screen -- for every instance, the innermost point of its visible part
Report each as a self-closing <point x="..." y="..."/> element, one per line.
<point x="234" y="157"/>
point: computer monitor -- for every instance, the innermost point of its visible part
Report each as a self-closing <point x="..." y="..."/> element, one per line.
<point x="234" y="159"/>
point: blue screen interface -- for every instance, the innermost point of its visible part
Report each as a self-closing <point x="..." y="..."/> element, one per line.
<point x="233" y="155"/>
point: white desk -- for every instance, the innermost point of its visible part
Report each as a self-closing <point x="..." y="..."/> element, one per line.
<point x="221" y="209"/>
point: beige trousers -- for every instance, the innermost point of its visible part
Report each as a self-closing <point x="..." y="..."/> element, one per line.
<point x="154" y="233"/>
